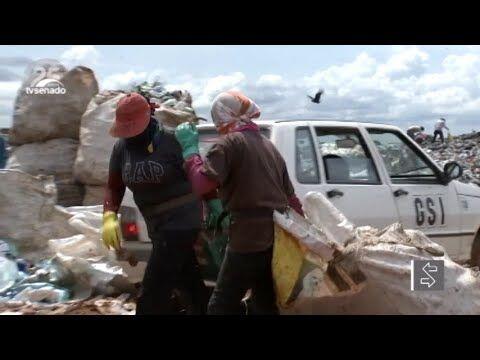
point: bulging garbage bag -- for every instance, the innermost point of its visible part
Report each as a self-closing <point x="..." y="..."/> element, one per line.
<point x="52" y="157"/>
<point x="29" y="216"/>
<point x="27" y="203"/>
<point x="40" y="117"/>
<point x="96" y="144"/>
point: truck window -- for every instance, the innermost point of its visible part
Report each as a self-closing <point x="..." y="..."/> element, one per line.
<point x="208" y="136"/>
<point x="404" y="163"/>
<point x="346" y="157"/>
<point x="306" y="165"/>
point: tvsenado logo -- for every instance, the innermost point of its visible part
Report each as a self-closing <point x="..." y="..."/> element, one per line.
<point x="43" y="81"/>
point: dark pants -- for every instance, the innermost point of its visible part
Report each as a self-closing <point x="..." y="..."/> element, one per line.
<point x="239" y="273"/>
<point x="172" y="265"/>
<point x="438" y="132"/>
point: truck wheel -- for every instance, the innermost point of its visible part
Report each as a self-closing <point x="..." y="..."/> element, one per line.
<point x="475" y="253"/>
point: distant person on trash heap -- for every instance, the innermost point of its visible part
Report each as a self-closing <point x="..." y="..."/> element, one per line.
<point x="417" y="133"/>
<point x="252" y="181"/>
<point x="421" y="137"/>
<point x="439" y="126"/>
<point x="149" y="162"/>
<point x="413" y="130"/>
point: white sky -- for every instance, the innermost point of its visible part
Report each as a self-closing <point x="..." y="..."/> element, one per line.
<point x="402" y="85"/>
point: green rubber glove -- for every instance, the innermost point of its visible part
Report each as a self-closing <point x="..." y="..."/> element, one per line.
<point x="187" y="136"/>
<point x="215" y="209"/>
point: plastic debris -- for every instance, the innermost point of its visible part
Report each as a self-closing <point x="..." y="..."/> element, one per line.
<point x="55" y="254"/>
<point x="38" y="292"/>
<point x="100" y="305"/>
<point x="8" y="273"/>
<point x="174" y="107"/>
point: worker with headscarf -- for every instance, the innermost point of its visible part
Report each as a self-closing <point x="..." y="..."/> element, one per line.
<point x="252" y="181"/>
<point x="149" y="162"/>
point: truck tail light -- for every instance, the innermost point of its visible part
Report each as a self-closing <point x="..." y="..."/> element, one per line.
<point x="130" y="229"/>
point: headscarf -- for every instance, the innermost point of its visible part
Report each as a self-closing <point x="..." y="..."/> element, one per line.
<point x="231" y="110"/>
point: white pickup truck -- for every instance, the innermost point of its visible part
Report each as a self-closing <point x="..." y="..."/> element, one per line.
<point x="376" y="176"/>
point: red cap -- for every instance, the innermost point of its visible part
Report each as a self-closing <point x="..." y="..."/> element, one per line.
<point x="131" y="117"/>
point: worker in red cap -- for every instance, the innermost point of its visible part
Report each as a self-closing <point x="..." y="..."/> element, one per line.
<point x="149" y="162"/>
<point x="252" y="181"/>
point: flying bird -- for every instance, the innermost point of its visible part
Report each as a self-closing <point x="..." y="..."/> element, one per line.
<point x="317" y="97"/>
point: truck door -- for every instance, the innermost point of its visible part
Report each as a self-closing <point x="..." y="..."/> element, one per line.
<point x="348" y="175"/>
<point x="422" y="200"/>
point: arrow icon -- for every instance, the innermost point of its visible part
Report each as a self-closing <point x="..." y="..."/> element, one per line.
<point x="427" y="269"/>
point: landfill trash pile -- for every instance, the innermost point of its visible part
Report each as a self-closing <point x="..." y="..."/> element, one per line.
<point x="50" y="254"/>
<point x="174" y="107"/>
<point x="465" y="149"/>
<point x="323" y="264"/>
<point x="45" y="127"/>
<point x="66" y="135"/>
<point x="374" y="267"/>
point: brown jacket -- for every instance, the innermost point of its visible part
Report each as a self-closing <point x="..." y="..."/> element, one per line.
<point x="253" y="182"/>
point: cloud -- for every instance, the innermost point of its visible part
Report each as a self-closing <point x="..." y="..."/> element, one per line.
<point x="8" y="89"/>
<point x="9" y="67"/>
<point x="221" y="83"/>
<point x="123" y="81"/>
<point x="14" y="61"/>
<point x="338" y="76"/>
<point x="7" y="75"/>
<point x="207" y="88"/>
<point x="86" y="55"/>
<point x="405" y="62"/>
<point x="406" y="86"/>
<point x="126" y="80"/>
<point x="400" y="89"/>
<point x="270" y="80"/>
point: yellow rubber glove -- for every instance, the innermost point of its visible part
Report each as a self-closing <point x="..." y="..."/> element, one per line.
<point x="111" y="233"/>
